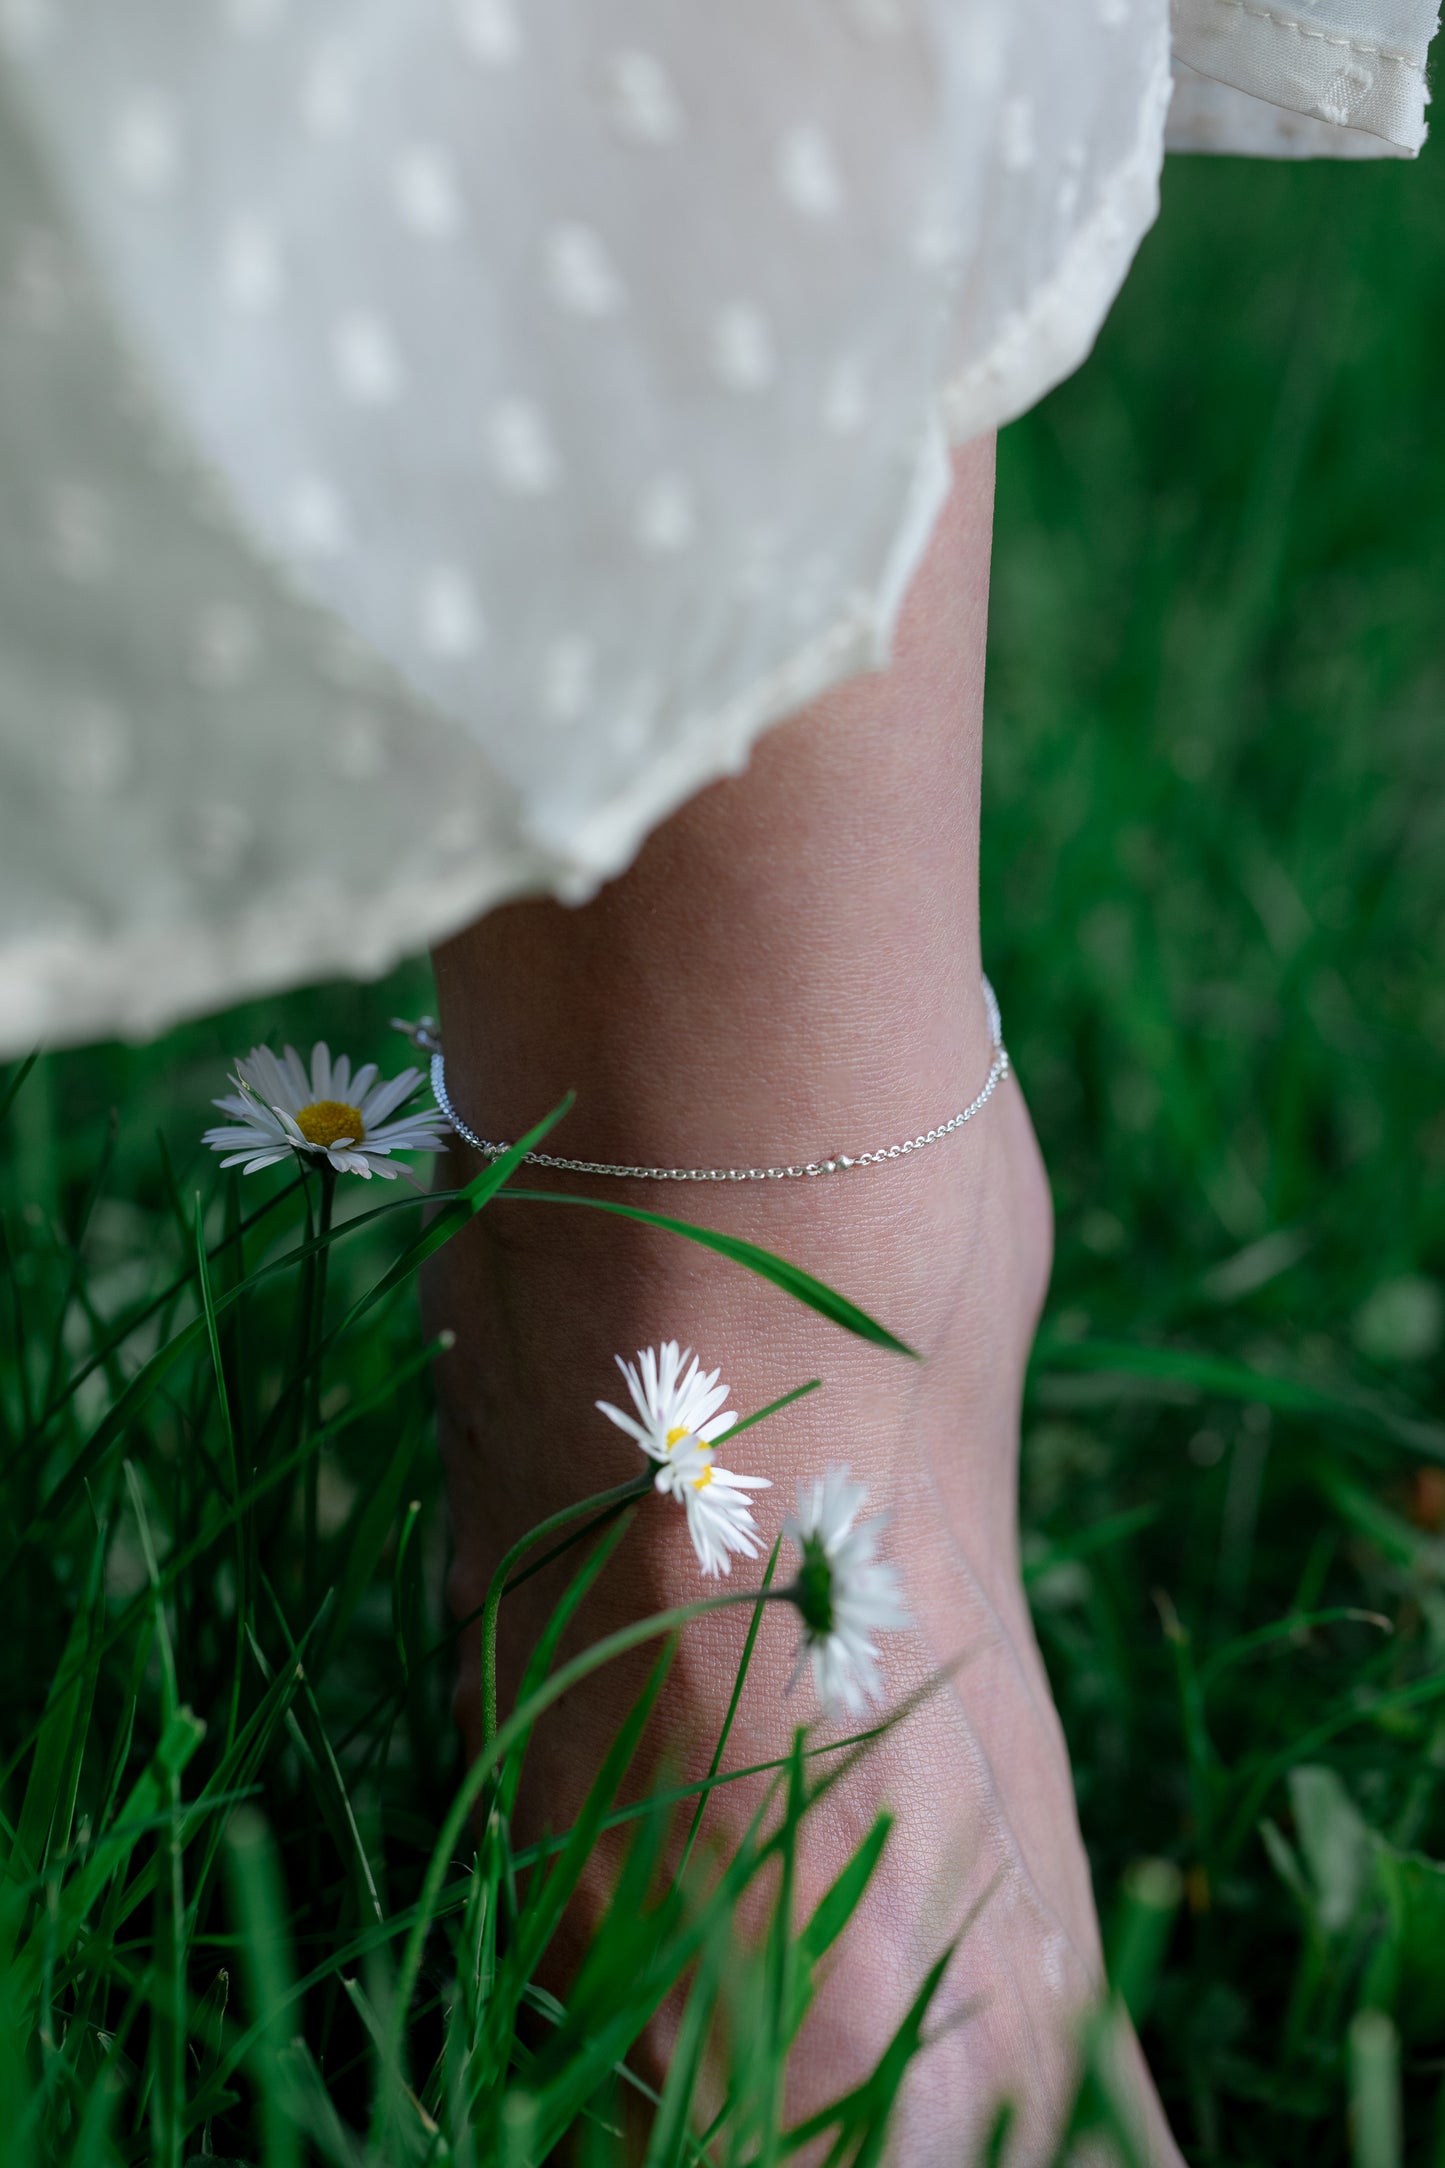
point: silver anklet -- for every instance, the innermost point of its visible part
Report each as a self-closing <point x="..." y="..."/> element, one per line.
<point x="426" y="1036"/>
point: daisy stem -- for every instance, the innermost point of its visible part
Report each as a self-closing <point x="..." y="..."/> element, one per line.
<point x="764" y="1593"/>
<point x="602" y="1504"/>
<point x="311" y="1536"/>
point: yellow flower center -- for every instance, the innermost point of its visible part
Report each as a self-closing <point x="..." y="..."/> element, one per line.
<point x="673" y="1436"/>
<point x="701" y="1482"/>
<point x="327" y="1121"/>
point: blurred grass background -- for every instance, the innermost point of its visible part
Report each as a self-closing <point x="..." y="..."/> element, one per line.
<point x="1214" y="876"/>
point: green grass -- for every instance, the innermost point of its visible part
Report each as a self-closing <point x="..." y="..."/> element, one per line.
<point x="1215" y="870"/>
<point x="1214" y="876"/>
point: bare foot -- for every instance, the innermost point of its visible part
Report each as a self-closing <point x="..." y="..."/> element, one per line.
<point x="952" y="1251"/>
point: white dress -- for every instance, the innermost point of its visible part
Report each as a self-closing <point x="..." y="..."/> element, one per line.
<point x="438" y="436"/>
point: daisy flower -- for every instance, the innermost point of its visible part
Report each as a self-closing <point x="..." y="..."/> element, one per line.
<point x="844" y="1592"/>
<point x="675" y="1423"/>
<point x="279" y="1110"/>
<point x="671" y="1403"/>
<point x="719" y="1518"/>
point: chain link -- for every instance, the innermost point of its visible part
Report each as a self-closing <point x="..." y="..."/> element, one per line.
<point x="425" y="1036"/>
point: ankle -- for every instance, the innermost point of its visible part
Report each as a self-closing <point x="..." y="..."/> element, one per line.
<point x="949" y="1249"/>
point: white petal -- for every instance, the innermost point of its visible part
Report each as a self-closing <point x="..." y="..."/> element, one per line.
<point x="702" y="1396"/>
<point x="361" y="1084"/>
<point x="266" y="1077"/>
<point x="413" y="1133"/>
<point x="388" y="1097"/>
<point x="634" y="1387"/>
<point x="380" y="1166"/>
<point x="237" y="1103"/>
<point x="718" y="1525"/>
<point x="296" y="1077"/>
<point x="634" y="1430"/>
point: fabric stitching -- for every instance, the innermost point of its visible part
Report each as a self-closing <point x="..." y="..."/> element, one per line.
<point x="1323" y="37"/>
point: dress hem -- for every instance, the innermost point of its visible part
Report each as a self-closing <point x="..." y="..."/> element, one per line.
<point x="1347" y="82"/>
<point x="60" y="988"/>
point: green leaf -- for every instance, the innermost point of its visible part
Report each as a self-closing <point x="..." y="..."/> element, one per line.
<point x="359" y="1545"/>
<point x="1226" y="1380"/>
<point x="790" y="1278"/>
<point x="739" y="1680"/>
<point x="1407" y="1977"/>
<point x="55" y="1764"/>
<point x="258" y="1903"/>
<point x="111" y="1851"/>
<point x="120" y="1419"/>
<point x="554" y="1888"/>
<point x="835" y="1908"/>
<point x="671" y="2143"/>
<point x="451" y="1218"/>
<point x="15" y="1083"/>
<point x="321" y="1763"/>
<point x="545" y="1648"/>
<point x="111" y="1344"/>
<point x="1286" y="1864"/>
<point x="204" y="1816"/>
<point x="863" y="2115"/>
<point x="1375" y="2116"/>
<point x="230" y="1516"/>
<point x="1152" y="1890"/>
<point x="1335" y="1841"/>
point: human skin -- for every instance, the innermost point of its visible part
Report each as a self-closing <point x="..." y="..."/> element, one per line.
<point x="791" y="969"/>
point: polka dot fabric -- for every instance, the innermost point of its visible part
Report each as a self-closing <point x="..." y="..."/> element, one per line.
<point x="440" y="435"/>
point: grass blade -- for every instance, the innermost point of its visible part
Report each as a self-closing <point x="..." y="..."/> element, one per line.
<point x="1223" y="1379"/>
<point x="259" y="1905"/>
<point x="790" y="1278"/>
<point x="452" y="1217"/>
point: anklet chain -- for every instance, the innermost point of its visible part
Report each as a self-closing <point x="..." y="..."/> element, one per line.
<point x="426" y="1037"/>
